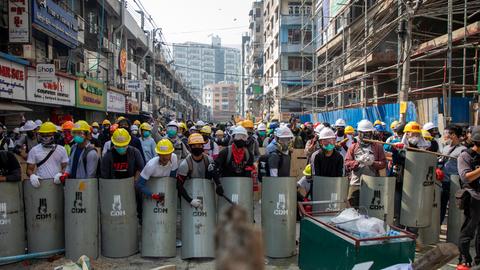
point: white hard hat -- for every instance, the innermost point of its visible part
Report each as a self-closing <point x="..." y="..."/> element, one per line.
<point x="134" y="127"/>
<point x="319" y="128"/>
<point x="239" y="130"/>
<point x="262" y="127"/>
<point x="29" y="126"/>
<point x="365" y="126"/>
<point x="326" y="133"/>
<point x="340" y="123"/>
<point x="384" y="124"/>
<point x="429" y="126"/>
<point x="172" y="124"/>
<point x="38" y="122"/>
<point x="283" y="132"/>
<point x="200" y="123"/>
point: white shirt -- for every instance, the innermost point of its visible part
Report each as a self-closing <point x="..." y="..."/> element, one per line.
<point x="209" y="152"/>
<point x="155" y="169"/>
<point x="106" y="147"/>
<point x="54" y="163"/>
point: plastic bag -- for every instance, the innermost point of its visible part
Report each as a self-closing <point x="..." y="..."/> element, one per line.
<point x="361" y="226"/>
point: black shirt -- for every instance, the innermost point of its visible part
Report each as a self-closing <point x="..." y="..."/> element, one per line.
<point x="331" y="166"/>
<point x="228" y="168"/>
<point x="9" y="166"/>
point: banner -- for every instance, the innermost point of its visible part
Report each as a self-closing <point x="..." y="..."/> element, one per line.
<point x="12" y="80"/>
<point x="91" y="94"/>
<point x="115" y="102"/>
<point x="136" y="86"/>
<point x="132" y="106"/>
<point x="57" y="90"/>
<point x="19" y="30"/>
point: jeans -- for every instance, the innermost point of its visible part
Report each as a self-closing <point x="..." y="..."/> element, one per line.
<point x="467" y="233"/>
<point x="444" y="197"/>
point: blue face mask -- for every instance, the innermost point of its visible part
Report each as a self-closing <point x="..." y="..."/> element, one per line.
<point x="121" y="150"/>
<point x="329" y="147"/>
<point x="171" y="133"/>
<point x="146" y="133"/>
<point x="78" y="139"/>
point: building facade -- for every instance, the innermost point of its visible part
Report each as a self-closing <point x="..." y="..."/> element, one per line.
<point x="222" y="100"/>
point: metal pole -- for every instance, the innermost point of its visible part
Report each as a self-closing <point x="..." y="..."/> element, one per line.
<point x="407" y="46"/>
<point x="464" y="75"/>
<point x="399" y="44"/>
<point x="366" y="57"/>
<point x="449" y="61"/>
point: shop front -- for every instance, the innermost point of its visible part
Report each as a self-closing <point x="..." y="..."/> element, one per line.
<point x="91" y="95"/>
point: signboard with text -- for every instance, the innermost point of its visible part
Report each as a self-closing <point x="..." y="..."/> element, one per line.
<point x="12" y="80"/>
<point x="135" y="86"/>
<point x="115" y="102"/>
<point x="46" y="71"/>
<point x="91" y="94"/>
<point x="19" y="30"/>
<point x="132" y="106"/>
<point x="57" y="90"/>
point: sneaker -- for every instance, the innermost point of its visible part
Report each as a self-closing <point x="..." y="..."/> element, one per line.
<point x="179" y="243"/>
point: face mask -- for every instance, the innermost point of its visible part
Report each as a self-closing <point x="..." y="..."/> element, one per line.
<point x="197" y="151"/>
<point x="95" y="130"/>
<point x="30" y="134"/>
<point x="134" y="132"/>
<point x="146" y="134"/>
<point x="68" y="138"/>
<point x="171" y="133"/>
<point x="46" y="141"/>
<point x="78" y="139"/>
<point x="367" y="136"/>
<point x="413" y="141"/>
<point x="180" y="135"/>
<point x="262" y="133"/>
<point x="121" y="150"/>
<point x="205" y="138"/>
<point x="239" y="143"/>
<point x="448" y="142"/>
<point x="329" y="147"/>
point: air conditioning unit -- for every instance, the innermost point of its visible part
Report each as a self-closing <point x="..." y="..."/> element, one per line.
<point x="106" y="45"/>
<point x="80" y="23"/>
<point x="80" y="68"/>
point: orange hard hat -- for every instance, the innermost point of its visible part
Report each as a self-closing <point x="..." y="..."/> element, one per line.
<point x="113" y="128"/>
<point x="67" y="125"/>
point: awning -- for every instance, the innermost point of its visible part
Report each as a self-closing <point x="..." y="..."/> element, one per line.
<point x="13" y="107"/>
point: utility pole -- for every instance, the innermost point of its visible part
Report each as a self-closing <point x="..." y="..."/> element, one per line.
<point x="411" y="6"/>
<point x="448" y="113"/>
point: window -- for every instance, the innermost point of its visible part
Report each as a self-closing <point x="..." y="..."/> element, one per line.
<point x="257" y="29"/>
<point x="295" y="63"/>
<point x="294" y="36"/>
<point x="258" y="12"/>
<point x="307" y="37"/>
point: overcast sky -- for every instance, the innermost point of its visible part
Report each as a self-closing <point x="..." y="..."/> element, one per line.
<point x="195" y="20"/>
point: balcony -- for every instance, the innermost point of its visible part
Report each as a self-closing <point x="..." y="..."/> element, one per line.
<point x="295" y="48"/>
<point x="135" y="29"/>
<point x="292" y="19"/>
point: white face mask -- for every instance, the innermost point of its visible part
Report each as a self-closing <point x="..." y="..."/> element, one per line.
<point x="414" y="140"/>
<point x="448" y="142"/>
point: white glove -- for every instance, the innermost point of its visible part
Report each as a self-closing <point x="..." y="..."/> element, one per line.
<point x="362" y="159"/>
<point x="369" y="160"/>
<point x="56" y="178"/>
<point x="35" y="180"/>
<point x="196" y="203"/>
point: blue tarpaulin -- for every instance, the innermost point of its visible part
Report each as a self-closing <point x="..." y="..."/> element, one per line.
<point x="460" y="109"/>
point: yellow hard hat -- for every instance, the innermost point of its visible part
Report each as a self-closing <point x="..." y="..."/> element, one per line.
<point x="206" y="130"/>
<point x="106" y="122"/>
<point x="182" y="125"/>
<point x="377" y="122"/>
<point x="413" y="127"/>
<point x="426" y="135"/>
<point x="47" y="127"/>
<point x="247" y="124"/>
<point x="121" y="137"/>
<point x="349" y="130"/>
<point x="120" y="119"/>
<point x="308" y="170"/>
<point x="219" y="132"/>
<point x="196" y="138"/>
<point x="164" y="147"/>
<point x="393" y="124"/>
<point x="81" y="126"/>
<point x="136" y="123"/>
<point x="146" y="126"/>
<point x="95" y="124"/>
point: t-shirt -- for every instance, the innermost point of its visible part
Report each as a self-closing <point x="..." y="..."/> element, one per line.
<point x="228" y="168"/>
<point x="331" y="166"/>
<point x="199" y="170"/>
<point x="211" y="153"/>
<point x="305" y="183"/>
<point x="155" y="169"/>
<point x="450" y="165"/>
<point x="54" y="163"/>
<point x="120" y="165"/>
<point x="274" y="163"/>
<point x="148" y="146"/>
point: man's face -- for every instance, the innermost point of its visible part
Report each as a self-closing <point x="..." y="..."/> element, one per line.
<point x="164" y="159"/>
<point x="327" y="142"/>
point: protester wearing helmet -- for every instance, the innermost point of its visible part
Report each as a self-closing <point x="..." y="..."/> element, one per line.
<point x="235" y="160"/>
<point x="83" y="160"/>
<point x="210" y="147"/>
<point x="278" y="152"/>
<point x="182" y="133"/>
<point x="252" y="144"/>
<point x="135" y="131"/>
<point x="148" y="143"/>
<point x="134" y="141"/>
<point x="313" y="144"/>
<point x="341" y="139"/>
<point x="219" y="136"/>
<point x="66" y="139"/>
<point x="28" y="140"/>
<point x="181" y="149"/>
<point x="261" y="134"/>
<point x="304" y="185"/>
<point x="105" y="132"/>
<point x="137" y="123"/>
<point x="363" y="158"/>
<point x="433" y="130"/>
<point x="329" y="161"/>
<point x="163" y="165"/>
<point x="46" y="160"/>
<point x="108" y="144"/>
<point x="413" y="136"/>
<point x="197" y="165"/>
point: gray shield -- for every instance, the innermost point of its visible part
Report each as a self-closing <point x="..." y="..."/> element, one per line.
<point x="376" y="195"/>
<point x="198" y="225"/>
<point x="81" y="218"/>
<point x="44" y="216"/>
<point x="455" y="216"/>
<point x="279" y="212"/>
<point x="333" y="189"/>
<point x="240" y="191"/>
<point x="12" y="220"/>
<point x="159" y="219"/>
<point x="118" y="217"/>
<point x="431" y="234"/>
<point x="417" y="194"/>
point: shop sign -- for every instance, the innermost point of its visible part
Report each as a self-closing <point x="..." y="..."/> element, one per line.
<point x="12" y="80"/>
<point x="46" y="71"/>
<point x="57" y="90"/>
<point x="135" y="86"/>
<point x="122" y="62"/>
<point x="132" y="106"/>
<point x="91" y="94"/>
<point x="18" y="21"/>
<point x="56" y="22"/>
<point x="115" y="102"/>
<point x="145" y="107"/>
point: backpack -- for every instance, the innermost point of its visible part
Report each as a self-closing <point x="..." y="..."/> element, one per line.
<point x="264" y="167"/>
<point x="190" y="165"/>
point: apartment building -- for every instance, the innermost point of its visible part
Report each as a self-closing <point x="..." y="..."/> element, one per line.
<point x="222" y="100"/>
